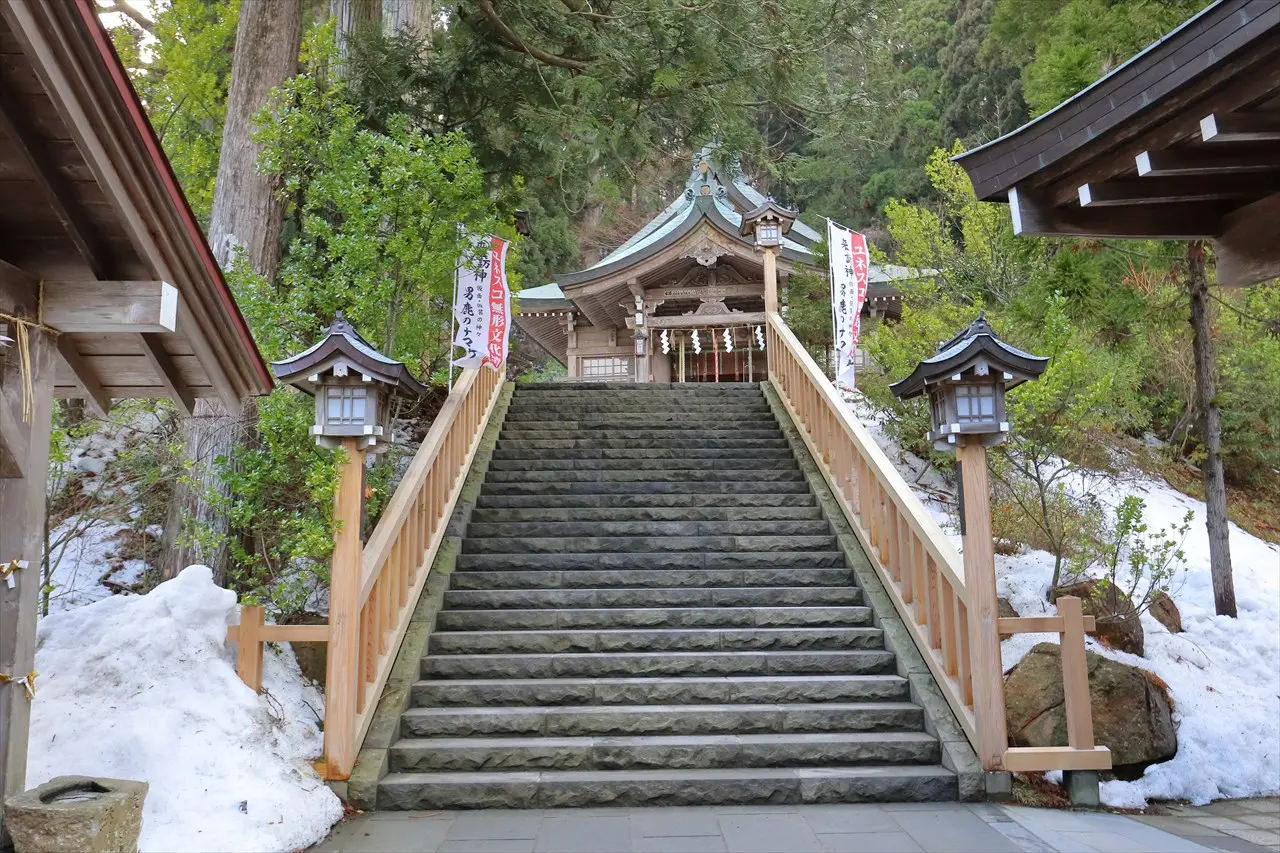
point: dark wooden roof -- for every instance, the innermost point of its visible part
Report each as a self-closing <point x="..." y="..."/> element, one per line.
<point x="978" y="342"/>
<point x="95" y="234"/>
<point x="1180" y="142"/>
<point x="342" y="342"/>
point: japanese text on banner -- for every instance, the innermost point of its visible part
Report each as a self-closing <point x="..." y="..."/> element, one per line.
<point x="850" y="266"/>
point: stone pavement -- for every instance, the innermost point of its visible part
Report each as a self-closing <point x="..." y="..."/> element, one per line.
<point x="918" y="827"/>
<point x="1225" y="824"/>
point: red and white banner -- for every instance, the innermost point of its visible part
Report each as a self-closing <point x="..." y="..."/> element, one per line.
<point x="850" y="265"/>
<point x="482" y="306"/>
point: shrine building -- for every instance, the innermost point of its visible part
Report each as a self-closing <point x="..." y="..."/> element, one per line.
<point x="683" y="298"/>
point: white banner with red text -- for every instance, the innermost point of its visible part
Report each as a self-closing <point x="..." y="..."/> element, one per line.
<point x="482" y="305"/>
<point x="850" y="266"/>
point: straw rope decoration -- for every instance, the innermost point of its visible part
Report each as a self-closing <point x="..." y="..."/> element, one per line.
<point x="23" y="339"/>
<point x="27" y="681"/>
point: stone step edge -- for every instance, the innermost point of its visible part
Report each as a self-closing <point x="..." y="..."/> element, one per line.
<point x="696" y="708"/>
<point x="640" y="741"/>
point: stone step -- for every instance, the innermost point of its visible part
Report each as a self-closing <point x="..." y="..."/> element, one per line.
<point x="678" y="445"/>
<point x="563" y="479"/>
<point x="712" y="485"/>
<point x="609" y="640"/>
<point x="804" y="749"/>
<point x="780" y="561"/>
<point x="542" y="431"/>
<point x="634" y="664"/>
<point x="742" y="689"/>
<point x="598" y="529"/>
<point x="648" y="411"/>
<point x="712" y="786"/>
<point x="650" y="545"/>
<point x="742" y="461"/>
<point x="651" y="597"/>
<point x="651" y="617"/>
<point x="637" y="453"/>
<point x="717" y="500"/>
<point x="649" y="514"/>
<point x="616" y="388"/>
<point x="592" y="720"/>
<point x="657" y="426"/>
<point x="644" y="579"/>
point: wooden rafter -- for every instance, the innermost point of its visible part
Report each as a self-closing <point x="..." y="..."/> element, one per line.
<point x="167" y="373"/>
<point x="1207" y="160"/>
<point x="1130" y="191"/>
<point x="1035" y="216"/>
<point x="110" y="306"/>
<point x="45" y="174"/>
<point x="1248" y="252"/>
<point x="19" y="292"/>
<point x="98" y="400"/>
<point x="1240" y="127"/>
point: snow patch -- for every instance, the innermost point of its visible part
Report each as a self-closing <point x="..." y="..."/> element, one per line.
<point x="145" y="688"/>
<point x="1223" y="674"/>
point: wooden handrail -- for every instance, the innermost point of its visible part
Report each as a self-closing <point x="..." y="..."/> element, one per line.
<point x="388" y="574"/>
<point x="925" y="576"/>
<point x="922" y="572"/>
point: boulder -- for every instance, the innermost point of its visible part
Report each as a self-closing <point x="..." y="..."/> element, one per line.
<point x="92" y="815"/>
<point x="1118" y="624"/>
<point x="1132" y="712"/>
<point x="1164" y="611"/>
<point x="1004" y="609"/>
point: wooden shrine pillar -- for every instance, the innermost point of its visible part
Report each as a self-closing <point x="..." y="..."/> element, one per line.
<point x="26" y="411"/>
<point x="343" y="664"/>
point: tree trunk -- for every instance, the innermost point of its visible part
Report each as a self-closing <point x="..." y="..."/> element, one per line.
<point x="1215" y="489"/>
<point x="349" y="16"/>
<point x="247" y="218"/>
<point x="411" y="15"/>
<point x="246" y="214"/>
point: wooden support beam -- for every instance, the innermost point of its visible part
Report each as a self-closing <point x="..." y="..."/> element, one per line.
<point x="12" y="438"/>
<point x="22" y="517"/>
<point x="110" y="306"/>
<point x="98" y="400"/>
<point x="1034" y="216"/>
<point x="1030" y="759"/>
<point x="1207" y="160"/>
<point x="285" y="634"/>
<point x="167" y="373"/>
<point x="1039" y="625"/>
<point x="1240" y="127"/>
<point x="1182" y="188"/>
<point x="19" y="292"/>
<point x="1248" y="251"/>
<point x="33" y="148"/>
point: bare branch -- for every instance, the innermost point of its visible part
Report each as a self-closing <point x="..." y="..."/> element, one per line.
<point x="129" y="11"/>
<point x="513" y="41"/>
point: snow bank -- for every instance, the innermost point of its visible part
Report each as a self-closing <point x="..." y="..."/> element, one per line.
<point x="144" y="687"/>
<point x="1223" y="674"/>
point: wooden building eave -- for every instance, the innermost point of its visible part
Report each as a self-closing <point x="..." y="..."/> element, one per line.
<point x="1181" y="142"/>
<point x="119" y="205"/>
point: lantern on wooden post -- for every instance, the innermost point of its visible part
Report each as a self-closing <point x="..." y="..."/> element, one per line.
<point x="768" y="223"/>
<point x="966" y="381"/>
<point x="354" y="386"/>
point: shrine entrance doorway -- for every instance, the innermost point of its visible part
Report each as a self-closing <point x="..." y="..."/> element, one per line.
<point x="719" y="354"/>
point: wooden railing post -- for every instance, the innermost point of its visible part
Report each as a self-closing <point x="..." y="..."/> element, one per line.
<point x="342" y="684"/>
<point x="980" y="580"/>
<point x="249" y="655"/>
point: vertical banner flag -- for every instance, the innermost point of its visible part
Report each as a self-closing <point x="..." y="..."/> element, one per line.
<point x="482" y="306"/>
<point x="850" y="264"/>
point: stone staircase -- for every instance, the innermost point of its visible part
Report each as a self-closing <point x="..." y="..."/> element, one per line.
<point x="650" y="607"/>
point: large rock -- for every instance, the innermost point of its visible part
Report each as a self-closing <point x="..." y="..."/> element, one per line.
<point x="1004" y="609"/>
<point x="88" y="815"/>
<point x="1132" y="714"/>
<point x="1118" y="624"/>
<point x="1164" y="611"/>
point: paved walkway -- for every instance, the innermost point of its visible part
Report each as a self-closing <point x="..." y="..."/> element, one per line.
<point x="907" y="827"/>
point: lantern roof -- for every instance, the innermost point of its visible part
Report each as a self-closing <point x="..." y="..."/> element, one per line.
<point x="767" y="209"/>
<point x="976" y="345"/>
<point x="343" y="343"/>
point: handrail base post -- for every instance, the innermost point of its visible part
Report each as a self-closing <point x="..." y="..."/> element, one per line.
<point x="343" y="678"/>
<point x="1083" y="788"/>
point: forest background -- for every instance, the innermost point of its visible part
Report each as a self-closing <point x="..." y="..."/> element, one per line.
<point x="330" y="147"/>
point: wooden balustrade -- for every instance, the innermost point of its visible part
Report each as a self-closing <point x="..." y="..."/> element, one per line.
<point x="953" y="622"/>
<point x="373" y="590"/>
<point x="920" y="569"/>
